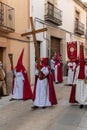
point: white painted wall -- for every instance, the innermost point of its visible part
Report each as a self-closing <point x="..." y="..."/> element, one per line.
<point x="68" y="8"/>
<point x="68" y="11"/>
<point x="37" y="11"/>
<point x="37" y="8"/>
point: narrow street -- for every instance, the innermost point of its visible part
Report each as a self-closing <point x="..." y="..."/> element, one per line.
<point x="17" y="115"/>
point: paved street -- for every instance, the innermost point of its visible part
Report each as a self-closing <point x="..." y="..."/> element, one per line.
<point x="17" y="115"/>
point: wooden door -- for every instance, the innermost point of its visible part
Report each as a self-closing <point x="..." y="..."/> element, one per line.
<point x="55" y="45"/>
<point x="1" y="54"/>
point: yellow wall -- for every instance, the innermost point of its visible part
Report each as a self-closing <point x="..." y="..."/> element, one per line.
<point x="13" y="42"/>
<point x="16" y="48"/>
<point x="21" y="14"/>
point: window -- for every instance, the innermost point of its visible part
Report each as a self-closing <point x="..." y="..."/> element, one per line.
<point x="77" y="15"/>
<point x="1" y="13"/>
<point x="50" y="9"/>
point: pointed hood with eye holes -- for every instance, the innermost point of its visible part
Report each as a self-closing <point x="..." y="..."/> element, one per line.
<point x="19" y="63"/>
<point x="27" y="92"/>
<point x="82" y="64"/>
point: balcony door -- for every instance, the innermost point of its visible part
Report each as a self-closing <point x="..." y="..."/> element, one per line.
<point x="1" y="14"/>
<point x="50" y="9"/>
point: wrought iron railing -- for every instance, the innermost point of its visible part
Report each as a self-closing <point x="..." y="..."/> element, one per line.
<point x="53" y="14"/>
<point x="79" y="27"/>
<point x="6" y="18"/>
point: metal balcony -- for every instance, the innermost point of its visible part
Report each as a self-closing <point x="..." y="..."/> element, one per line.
<point x="6" y="18"/>
<point x="53" y="14"/>
<point x="79" y="28"/>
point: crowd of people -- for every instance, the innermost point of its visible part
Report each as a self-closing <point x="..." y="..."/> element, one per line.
<point x="43" y="95"/>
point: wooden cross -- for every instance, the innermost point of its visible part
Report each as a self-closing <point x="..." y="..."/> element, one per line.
<point x="33" y="33"/>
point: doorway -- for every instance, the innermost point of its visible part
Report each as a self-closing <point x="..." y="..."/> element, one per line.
<point x="1" y="54"/>
<point x="55" y="45"/>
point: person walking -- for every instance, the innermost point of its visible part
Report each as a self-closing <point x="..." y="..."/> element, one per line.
<point x="71" y="67"/>
<point x="52" y="65"/>
<point x="80" y="92"/>
<point x="58" y="70"/>
<point x="44" y="92"/>
<point x="21" y="88"/>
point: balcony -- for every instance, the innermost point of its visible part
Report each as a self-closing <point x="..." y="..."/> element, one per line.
<point x="6" y="18"/>
<point x="79" y="28"/>
<point x="52" y="14"/>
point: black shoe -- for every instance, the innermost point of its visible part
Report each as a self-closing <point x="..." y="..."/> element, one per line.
<point x="76" y="101"/>
<point x="69" y="84"/>
<point x="12" y="99"/>
<point x="81" y="106"/>
<point x="44" y="107"/>
<point x="56" y="82"/>
<point x="35" y="107"/>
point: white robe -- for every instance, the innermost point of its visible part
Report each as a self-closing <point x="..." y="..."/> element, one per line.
<point x="42" y="90"/>
<point x="81" y="88"/>
<point x="71" y="72"/>
<point x="18" y="86"/>
<point x="52" y="64"/>
<point x="56" y="73"/>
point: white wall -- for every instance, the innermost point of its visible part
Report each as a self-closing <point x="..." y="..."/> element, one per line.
<point x="37" y="8"/>
<point x="68" y="8"/>
<point x="37" y="11"/>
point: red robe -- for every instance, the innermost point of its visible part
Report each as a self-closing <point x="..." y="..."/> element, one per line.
<point x="73" y="90"/>
<point x="27" y="92"/>
<point x="52" y="95"/>
<point x="81" y="75"/>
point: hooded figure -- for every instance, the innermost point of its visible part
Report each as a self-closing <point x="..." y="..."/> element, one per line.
<point x="21" y="86"/>
<point x="71" y="68"/>
<point x="80" y="86"/>
<point x="44" y="93"/>
<point x="58" y="70"/>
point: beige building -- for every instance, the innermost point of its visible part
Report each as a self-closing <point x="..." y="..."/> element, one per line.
<point x="14" y="20"/>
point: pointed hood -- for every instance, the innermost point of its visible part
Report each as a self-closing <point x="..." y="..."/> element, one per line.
<point x="82" y="53"/>
<point x="44" y="61"/>
<point x="58" y="56"/>
<point x="82" y="64"/>
<point x="19" y="63"/>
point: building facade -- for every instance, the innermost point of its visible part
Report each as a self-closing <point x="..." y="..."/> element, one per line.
<point x="65" y="20"/>
<point x="14" y="20"/>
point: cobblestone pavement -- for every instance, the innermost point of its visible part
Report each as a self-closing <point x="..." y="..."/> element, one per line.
<point x="18" y="115"/>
